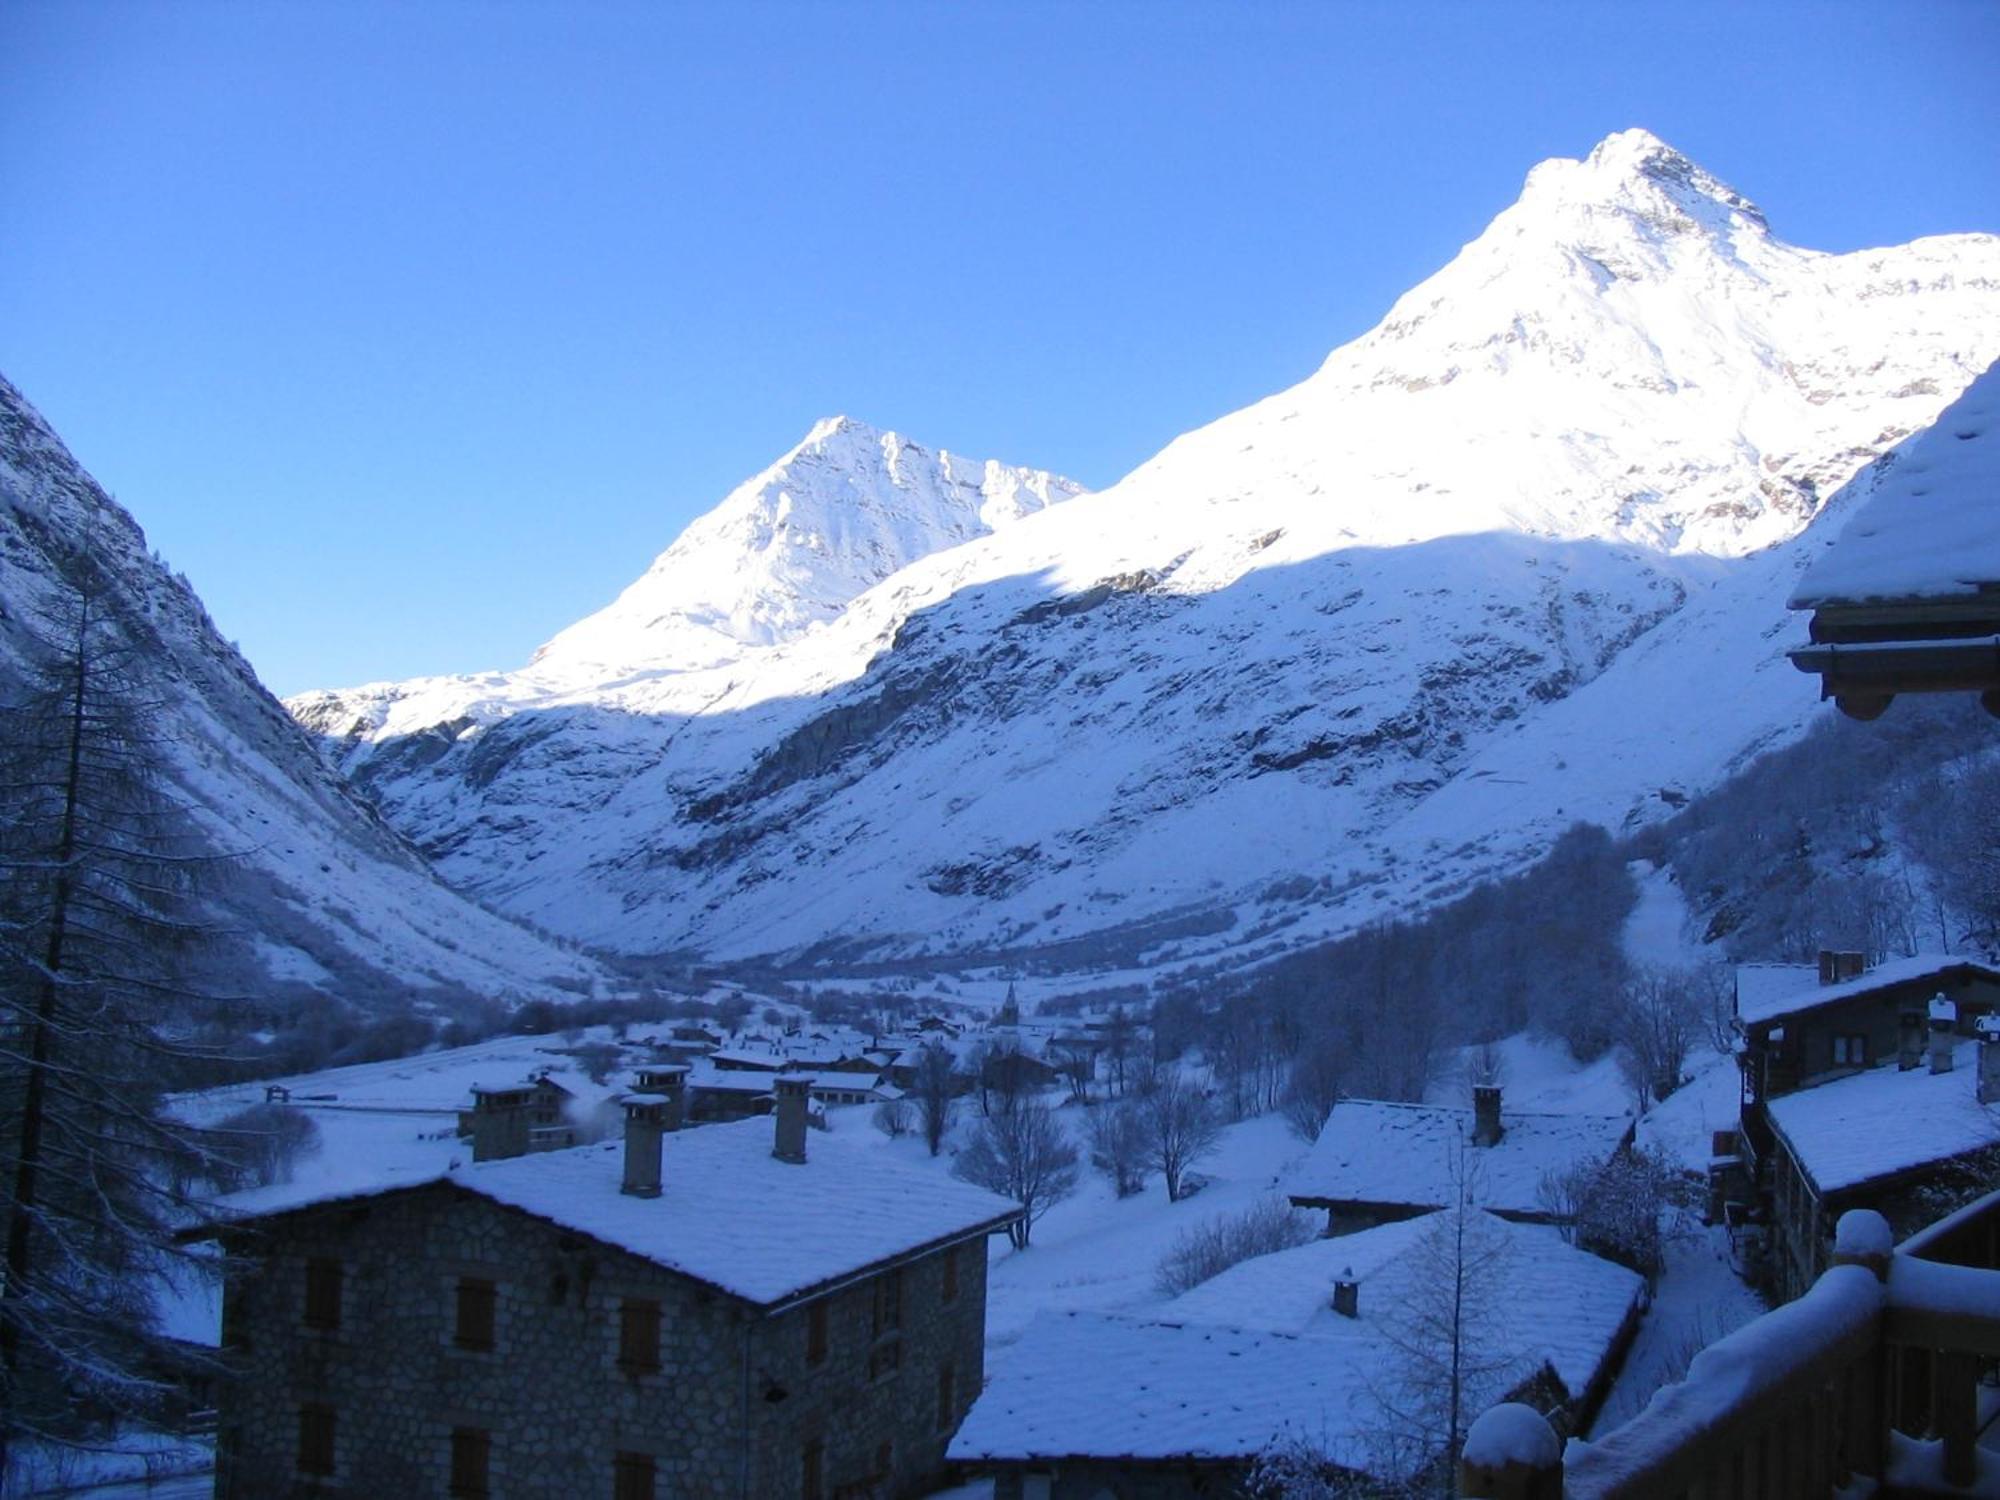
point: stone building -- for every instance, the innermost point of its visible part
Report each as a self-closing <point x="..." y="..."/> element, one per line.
<point x="701" y="1313"/>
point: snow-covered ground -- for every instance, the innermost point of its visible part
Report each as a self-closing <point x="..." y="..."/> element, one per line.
<point x="1698" y="1299"/>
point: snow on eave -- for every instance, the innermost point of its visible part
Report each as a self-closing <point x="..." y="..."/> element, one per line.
<point x="1931" y="528"/>
<point x="1811" y="995"/>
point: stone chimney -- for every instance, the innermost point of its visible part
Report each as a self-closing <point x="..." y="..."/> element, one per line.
<point x="1486" y="1130"/>
<point x="1909" y="1038"/>
<point x="1347" y="1295"/>
<point x="1987" y="1029"/>
<point x="669" y="1081"/>
<point x="790" y="1113"/>
<point x="500" y="1122"/>
<point x="1839" y="967"/>
<point x="645" y="1123"/>
<point x="1944" y="1032"/>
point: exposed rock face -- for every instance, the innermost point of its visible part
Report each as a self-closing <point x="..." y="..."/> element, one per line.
<point x="1516" y="556"/>
<point x="322" y="894"/>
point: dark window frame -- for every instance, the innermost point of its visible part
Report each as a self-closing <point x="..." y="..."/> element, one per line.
<point x="947" y="1397"/>
<point x="950" y="1274"/>
<point x="639" y="1320"/>
<point x="812" y="1470"/>
<point x="816" y="1334"/>
<point x="471" y="1463"/>
<point x="318" y="1434"/>
<point x="325" y="1278"/>
<point x="634" y="1476"/>
<point x="477" y="1314"/>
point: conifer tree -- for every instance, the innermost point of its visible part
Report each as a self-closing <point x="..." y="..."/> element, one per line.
<point x="96" y="871"/>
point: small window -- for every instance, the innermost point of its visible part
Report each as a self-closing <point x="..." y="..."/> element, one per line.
<point x="471" y="1462"/>
<point x="885" y="1461"/>
<point x="633" y="1477"/>
<point x="1850" y="1051"/>
<point x="812" y="1471"/>
<point x="475" y="1313"/>
<point x="947" y="1393"/>
<point x="951" y="1274"/>
<point x="323" y="1293"/>
<point x="315" y="1439"/>
<point x="816" y="1334"/>
<point x="885" y="1358"/>
<point x="639" y="1334"/>
<point x="888" y="1302"/>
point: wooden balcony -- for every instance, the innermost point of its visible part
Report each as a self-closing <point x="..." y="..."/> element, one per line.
<point x="1874" y="1374"/>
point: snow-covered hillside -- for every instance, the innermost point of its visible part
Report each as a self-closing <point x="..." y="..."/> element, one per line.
<point x="1518" y="555"/>
<point x="327" y="898"/>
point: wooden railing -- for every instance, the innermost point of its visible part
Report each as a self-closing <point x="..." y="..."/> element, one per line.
<point x="1873" y="1372"/>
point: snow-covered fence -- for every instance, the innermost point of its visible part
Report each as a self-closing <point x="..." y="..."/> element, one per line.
<point x="1873" y="1372"/>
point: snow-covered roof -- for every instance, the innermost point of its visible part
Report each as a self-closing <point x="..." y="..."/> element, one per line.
<point x="1562" y="1307"/>
<point x="729" y="1213"/>
<point x="1256" y="1353"/>
<point x="1768" y="992"/>
<point x="1932" y="526"/>
<point x="1370" y="1151"/>
<point x="704" y="1075"/>
<point x="1886" y="1120"/>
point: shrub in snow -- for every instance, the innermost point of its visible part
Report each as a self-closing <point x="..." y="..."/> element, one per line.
<point x="1118" y="1145"/>
<point x="894" y="1117"/>
<point x="1613" y="1208"/>
<point x="1212" y="1247"/>
<point x="259" y="1145"/>
<point x="1290" y="1468"/>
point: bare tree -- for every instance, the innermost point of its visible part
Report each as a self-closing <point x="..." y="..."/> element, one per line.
<point x="1450" y="1356"/>
<point x="1313" y="1089"/>
<point x="1021" y="1153"/>
<point x="1658" y="1020"/>
<point x="1118" y="1145"/>
<point x="1078" y="1065"/>
<point x="1119" y="1040"/>
<point x="935" y="1088"/>
<point x="95" y="924"/>
<point x="1183" y="1126"/>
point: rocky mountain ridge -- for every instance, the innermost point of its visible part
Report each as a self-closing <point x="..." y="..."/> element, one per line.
<point x="323" y="897"/>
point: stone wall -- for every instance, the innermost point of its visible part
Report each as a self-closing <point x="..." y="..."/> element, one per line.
<point x="729" y="1413"/>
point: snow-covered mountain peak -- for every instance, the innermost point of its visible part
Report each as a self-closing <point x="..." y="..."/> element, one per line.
<point x="790" y="547"/>
<point x="1637" y="171"/>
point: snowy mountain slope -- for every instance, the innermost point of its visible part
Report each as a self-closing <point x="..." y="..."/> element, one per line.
<point x="328" y="897"/>
<point x="1517" y="555"/>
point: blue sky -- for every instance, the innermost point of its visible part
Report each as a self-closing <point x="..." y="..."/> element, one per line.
<point x="412" y="333"/>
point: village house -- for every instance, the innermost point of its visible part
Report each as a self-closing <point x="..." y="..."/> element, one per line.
<point x="1804" y="1026"/>
<point x="715" y="1313"/>
<point x="1883" y="1139"/>
<point x="1305" y="1345"/>
<point x="1377" y="1161"/>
